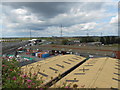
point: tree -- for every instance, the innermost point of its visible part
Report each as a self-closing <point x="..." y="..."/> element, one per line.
<point x="90" y="39"/>
<point x="113" y="40"/>
<point x="102" y="40"/>
<point x="107" y="40"/>
<point x="84" y="40"/>
<point x="118" y="40"/>
<point x="64" y="42"/>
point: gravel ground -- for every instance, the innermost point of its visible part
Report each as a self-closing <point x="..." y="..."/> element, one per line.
<point x="95" y="50"/>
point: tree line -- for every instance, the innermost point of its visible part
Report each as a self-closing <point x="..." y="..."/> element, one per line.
<point x="104" y="40"/>
<point x="110" y="40"/>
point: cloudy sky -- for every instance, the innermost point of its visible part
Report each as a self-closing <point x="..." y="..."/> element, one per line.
<point x="45" y="18"/>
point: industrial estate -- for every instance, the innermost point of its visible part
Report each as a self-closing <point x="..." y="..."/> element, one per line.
<point x="62" y="62"/>
<point x="60" y="45"/>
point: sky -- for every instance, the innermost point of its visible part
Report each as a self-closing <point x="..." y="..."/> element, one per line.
<point x="44" y="19"/>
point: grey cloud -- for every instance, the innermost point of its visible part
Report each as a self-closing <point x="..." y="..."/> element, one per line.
<point x="49" y="12"/>
<point x="44" y="9"/>
<point x="51" y="9"/>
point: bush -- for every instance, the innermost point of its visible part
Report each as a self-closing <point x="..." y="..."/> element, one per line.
<point x="64" y="42"/>
<point x="12" y="77"/>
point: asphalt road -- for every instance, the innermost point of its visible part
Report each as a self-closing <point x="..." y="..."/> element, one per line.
<point x="10" y="47"/>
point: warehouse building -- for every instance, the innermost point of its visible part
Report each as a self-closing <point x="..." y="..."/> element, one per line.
<point x="52" y="67"/>
<point x="94" y="73"/>
<point x="94" y="43"/>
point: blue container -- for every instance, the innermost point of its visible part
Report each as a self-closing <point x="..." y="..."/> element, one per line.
<point x="45" y="55"/>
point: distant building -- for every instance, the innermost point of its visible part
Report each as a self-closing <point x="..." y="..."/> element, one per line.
<point x="34" y="41"/>
<point x="94" y="43"/>
<point x="75" y="42"/>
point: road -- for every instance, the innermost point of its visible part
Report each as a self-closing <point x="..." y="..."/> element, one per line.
<point x="10" y="47"/>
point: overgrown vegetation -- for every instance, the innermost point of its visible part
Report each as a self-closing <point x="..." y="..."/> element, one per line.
<point x="12" y="77"/>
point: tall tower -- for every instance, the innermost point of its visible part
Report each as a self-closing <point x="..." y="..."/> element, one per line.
<point x="30" y="34"/>
<point x="87" y="33"/>
<point x="101" y="34"/>
<point x="61" y="30"/>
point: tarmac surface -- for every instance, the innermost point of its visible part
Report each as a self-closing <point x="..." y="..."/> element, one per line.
<point x="11" y="47"/>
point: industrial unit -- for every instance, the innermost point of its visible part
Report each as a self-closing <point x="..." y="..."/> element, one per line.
<point x="94" y="73"/>
<point x="50" y="68"/>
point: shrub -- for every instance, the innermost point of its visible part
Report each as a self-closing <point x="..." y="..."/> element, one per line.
<point x="12" y="77"/>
